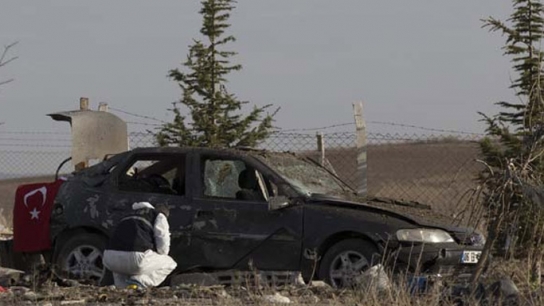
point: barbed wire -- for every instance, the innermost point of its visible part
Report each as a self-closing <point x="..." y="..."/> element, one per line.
<point x="22" y="151"/>
<point x="423" y="128"/>
<point x="281" y="133"/>
<point x="144" y="123"/>
<point x="306" y="129"/>
<point x="381" y="123"/>
<point x="34" y="139"/>
<point x="136" y="115"/>
<point x="141" y="133"/>
<point x="35" y="145"/>
<point x="275" y="135"/>
<point x="317" y="128"/>
<point x="290" y="133"/>
<point x="34" y="133"/>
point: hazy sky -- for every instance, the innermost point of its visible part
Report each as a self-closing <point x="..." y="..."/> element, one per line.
<point x="426" y="63"/>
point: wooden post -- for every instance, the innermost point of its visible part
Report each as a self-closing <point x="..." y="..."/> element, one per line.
<point x="321" y="148"/>
<point x="83" y="105"/>
<point x="360" y="127"/>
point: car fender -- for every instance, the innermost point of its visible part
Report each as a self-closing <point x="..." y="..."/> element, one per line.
<point x="325" y="225"/>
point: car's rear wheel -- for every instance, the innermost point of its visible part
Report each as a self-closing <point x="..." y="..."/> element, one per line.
<point x="81" y="258"/>
<point x="345" y="261"/>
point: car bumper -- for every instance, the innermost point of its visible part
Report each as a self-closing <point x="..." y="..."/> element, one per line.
<point x="435" y="259"/>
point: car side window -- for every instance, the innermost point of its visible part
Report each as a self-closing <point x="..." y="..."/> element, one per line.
<point x="163" y="174"/>
<point x="232" y="179"/>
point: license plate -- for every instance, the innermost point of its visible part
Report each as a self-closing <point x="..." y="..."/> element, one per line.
<point x="471" y="256"/>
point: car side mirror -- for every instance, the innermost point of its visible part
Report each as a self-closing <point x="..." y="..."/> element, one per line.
<point x="278" y="202"/>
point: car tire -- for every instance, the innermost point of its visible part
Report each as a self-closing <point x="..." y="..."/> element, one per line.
<point x="80" y="257"/>
<point x="346" y="260"/>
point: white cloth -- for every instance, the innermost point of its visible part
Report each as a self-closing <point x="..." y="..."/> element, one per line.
<point x="148" y="268"/>
<point x="161" y="231"/>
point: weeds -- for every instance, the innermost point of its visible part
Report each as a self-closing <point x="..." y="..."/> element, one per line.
<point x="400" y="292"/>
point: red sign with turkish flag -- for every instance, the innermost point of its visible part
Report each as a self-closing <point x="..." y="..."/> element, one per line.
<point x="31" y="214"/>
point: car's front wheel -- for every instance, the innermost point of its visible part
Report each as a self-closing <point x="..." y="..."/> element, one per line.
<point x="81" y="258"/>
<point x="345" y="261"/>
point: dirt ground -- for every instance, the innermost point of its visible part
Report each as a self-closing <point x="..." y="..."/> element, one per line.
<point x="182" y="295"/>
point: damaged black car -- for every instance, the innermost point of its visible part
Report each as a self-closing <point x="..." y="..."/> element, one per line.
<point x="247" y="209"/>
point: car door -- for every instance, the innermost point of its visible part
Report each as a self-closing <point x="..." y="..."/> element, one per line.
<point x="228" y="232"/>
<point x="139" y="180"/>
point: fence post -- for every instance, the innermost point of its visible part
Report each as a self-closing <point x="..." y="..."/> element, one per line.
<point x="360" y="127"/>
<point x="321" y="148"/>
<point x="83" y="105"/>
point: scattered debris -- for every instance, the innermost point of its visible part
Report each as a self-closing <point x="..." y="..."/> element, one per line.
<point x="299" y="280"/>
<point x="465" y="294"/>
<point x="5" y="233"/>
<point x="319" y="284"/>
<point x="506" y="291"/>
<point x="238" y="278"/>
<point x="199" y="279"/>
<point x="73" y="302"/>
<point x="19" y="290"/>
<point x="417" y="284"/>
<point x="31" y="296"/>
<point x="9" y="277"/>
<point x="277" y="298"/>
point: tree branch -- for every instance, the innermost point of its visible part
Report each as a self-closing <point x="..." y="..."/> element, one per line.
<point x="4" y="61"/>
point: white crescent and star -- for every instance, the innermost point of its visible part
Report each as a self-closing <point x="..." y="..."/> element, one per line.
<point x="34" y="213"/>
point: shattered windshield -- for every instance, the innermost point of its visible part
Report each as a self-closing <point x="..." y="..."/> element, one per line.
<point x="304" y="175"/>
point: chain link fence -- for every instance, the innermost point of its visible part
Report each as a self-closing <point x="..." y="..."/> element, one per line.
<point x="436" y="169"/>
<point x="440" y="170"/>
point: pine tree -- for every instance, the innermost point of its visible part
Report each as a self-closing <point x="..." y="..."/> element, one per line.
<point x="216" y="114"/>
<point x="520" y="122"/>
<point x="515" y="134"/>
<point x="523" y="38"/>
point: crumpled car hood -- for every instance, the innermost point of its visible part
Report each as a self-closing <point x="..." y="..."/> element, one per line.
<point x="419" y="214"/>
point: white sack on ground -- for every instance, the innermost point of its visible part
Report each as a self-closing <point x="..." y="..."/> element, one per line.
<point x="375" y="277"/>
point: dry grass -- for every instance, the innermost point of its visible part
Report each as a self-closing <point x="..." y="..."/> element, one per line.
<point x="398" y="295"/>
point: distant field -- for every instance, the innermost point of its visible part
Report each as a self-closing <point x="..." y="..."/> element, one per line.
<point x="434" y="173"/>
